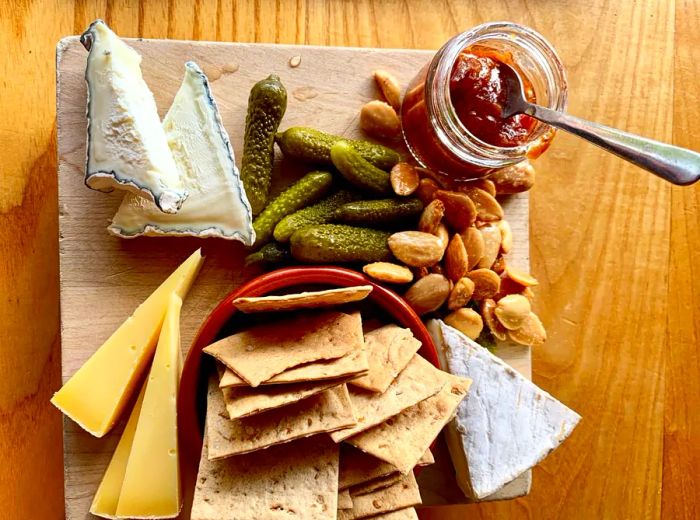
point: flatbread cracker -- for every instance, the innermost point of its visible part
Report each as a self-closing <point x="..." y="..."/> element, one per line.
<point x="418" y="381"/>
<point x="344" y="499"/>
<point x="351" y="365"/>
<point x="324" y="412"/>
<point x="426" y="459"/>
<point x="402" y="514"/>
<point x="401" y="495"/>
<point x="389" y="349"/>
<point x="269" y="484"/>
<point x="265" y="350"/>
<point x="403" y="439"/>
<point x="357" y="467"/>
<point x="305" y="300"/>
<point x="375" y="485"/>
<point x="247" y="401"/>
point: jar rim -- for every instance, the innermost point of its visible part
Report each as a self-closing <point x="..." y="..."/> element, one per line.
<point x="449" y="128"/>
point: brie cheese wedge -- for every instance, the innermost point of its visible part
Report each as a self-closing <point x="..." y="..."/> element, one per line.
<point x="505" y="425"/>
<point x="217" y="205"/>
<point x="126" y="145"/>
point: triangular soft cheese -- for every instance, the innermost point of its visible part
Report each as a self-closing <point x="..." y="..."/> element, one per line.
<point x="505" y="425"/>
<point x="216" y="205"/>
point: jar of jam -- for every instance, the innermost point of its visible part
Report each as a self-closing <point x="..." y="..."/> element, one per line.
<point x="450" y="114"/>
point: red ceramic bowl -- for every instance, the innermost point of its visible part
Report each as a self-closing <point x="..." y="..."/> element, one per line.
<point x="191" y="398"/>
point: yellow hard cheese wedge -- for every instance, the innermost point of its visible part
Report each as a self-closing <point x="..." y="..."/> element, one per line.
<point x="151" y="487"/>
<point x="95" y="396"/>
<point x="105" y="502"/>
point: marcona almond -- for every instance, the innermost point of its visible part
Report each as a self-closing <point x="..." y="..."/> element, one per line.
<point x="467" y="321"/>
<point x="492" y="245"/>
<point x="460" y="294"/>
<point x="379" y="119"/>
<point x="514" y="179"/>
<point x="460" y="212"/>
<point x="443" y="235"/>
<point x="486" y="185"/>
<point x="488" y="308"/>
<point x="416" y="248"/>
<point x="487" y="207"/>
<point x="486" y="283"/>
<point x="389" y="87"/>
<point x="428" y="294"/>
<point x="456" y="260"/>
<point x="512" y="310"/>
<point x="404" y="179"/>
<point x="521" y="277"/>
<point x="531" y="332"/>
<point x="426" y="190"/>
<point x="474" y="243"/>
<point x="431" y="217"/>
<point x="388" y="272"/>
<point x="506" y="236"/>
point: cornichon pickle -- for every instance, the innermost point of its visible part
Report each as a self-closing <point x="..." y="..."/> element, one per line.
<point x="320" y="213"/>
<point x="310" y="145"/>
<point x="272" y="253"/>
<point x="305" y="191"/>
<point x="340" y="243"/>
<point x="266" y="106"/>
<point x="378" y="212"/>
<point x="358" y="171"/>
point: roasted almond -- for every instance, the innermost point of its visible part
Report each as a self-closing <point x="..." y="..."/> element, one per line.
<point x="486" y="283"/>
<point x="389" y="87"/>
<point x="460" y="294"/>
<point x="488" y="308"/>
<point x="426" y="190"/>
<point x="499" y="266"/>
<point x="404" y="179"/>
<point x="487" y="207"/>
<point x="388" y="272"/>
<point x="416" y="248"/>
<point x="456" y="260"/>
<point x="506" y="236"/>
<point x="531" y="332"/>
<point x="431" y="217"/>
<point x="443" y="235"/>
<point x="521" y="277"/>
<point x="514" y="179"/>
<point x="379" y="119"/>
<point x="486" y="185"/>
<point x="437" y="268"/>
<point x="420" y="272"/>
<point x="492" y="245"/>
<point x="512" y="310"/>
<point x="428" y="294"/>
<point x="460" y="212"/>
<point x="508" y="286"/>
<point x="474" y="243"/>
<point x="467" y="321"/>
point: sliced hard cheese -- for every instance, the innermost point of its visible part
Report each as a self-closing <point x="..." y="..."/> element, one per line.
<point x="151" y="487"/>
<point x="505" y="425"/>
<point x="96" y="394"/>
<point x="216" y="205"/>
<point x="126" y="145"/>
<point x="105" y="502"/>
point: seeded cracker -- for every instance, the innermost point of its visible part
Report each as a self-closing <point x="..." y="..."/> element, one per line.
<point x="305" y="300"/>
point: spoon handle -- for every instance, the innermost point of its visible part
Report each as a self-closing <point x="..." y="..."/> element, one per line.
<point x="677" y="165"/>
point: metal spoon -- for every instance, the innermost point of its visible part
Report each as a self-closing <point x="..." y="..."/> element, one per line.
<point x="677" y="165"/>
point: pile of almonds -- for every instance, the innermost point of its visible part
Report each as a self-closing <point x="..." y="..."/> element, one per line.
<point x="457" y="256"/>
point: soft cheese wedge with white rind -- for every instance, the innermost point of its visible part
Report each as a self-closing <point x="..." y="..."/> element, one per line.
<point x="151" y="487"/>
<point x="105" y="501"/>
<point x="505" y="425"/>
<point x="217" y="205"/>
<point x="126" y="146"/>
<point x="95" y="396"/>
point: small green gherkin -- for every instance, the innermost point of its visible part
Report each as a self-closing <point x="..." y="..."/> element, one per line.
<point x="331" y="243"/>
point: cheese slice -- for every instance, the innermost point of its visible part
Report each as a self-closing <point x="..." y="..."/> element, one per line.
<point x="217" y="205"/>
<point x="95" y="396"/>
<point x="151" y="487"/>
<point x="106" y="498"/>
<point x="126" y="146"/>
<point x="505" y="425"/>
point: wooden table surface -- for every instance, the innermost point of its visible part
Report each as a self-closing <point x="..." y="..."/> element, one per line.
<point x="616" y="250"/>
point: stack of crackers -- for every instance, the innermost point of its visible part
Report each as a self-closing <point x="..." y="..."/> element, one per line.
<point x="313" y="417"/>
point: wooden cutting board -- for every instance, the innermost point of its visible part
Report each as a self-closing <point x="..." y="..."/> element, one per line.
<point x="104" y="278"/>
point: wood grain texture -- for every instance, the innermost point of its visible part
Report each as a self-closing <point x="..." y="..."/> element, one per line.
<point x="615" y="250"/>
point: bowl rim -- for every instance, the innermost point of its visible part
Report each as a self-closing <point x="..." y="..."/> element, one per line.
<point x="190" y="438"/>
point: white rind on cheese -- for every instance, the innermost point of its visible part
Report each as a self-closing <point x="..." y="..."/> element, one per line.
<point x="505" y="425"/>
<point x="217" y="205"/>
<point x="126" y="146"/>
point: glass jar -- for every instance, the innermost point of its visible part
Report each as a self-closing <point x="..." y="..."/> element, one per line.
<point x="436" y="136"/>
